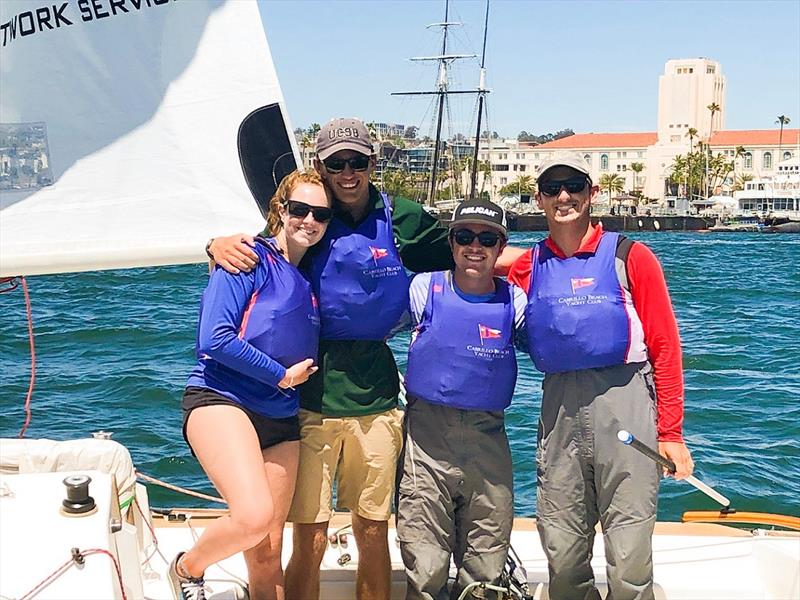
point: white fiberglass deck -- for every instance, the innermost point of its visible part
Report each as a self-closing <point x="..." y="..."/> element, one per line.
<point x="692" y="561"/>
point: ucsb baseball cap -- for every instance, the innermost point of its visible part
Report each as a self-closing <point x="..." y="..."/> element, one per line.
<point x="480" y="212"/>
<point x="343" y="134"/>
<point x="573" y="161"/>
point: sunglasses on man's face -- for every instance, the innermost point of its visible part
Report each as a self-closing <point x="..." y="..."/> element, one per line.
<point x="337" y="165"/>
<point x="487" y="239"/>
<point x="573" y="185"/>
<point x="321" y="214"/>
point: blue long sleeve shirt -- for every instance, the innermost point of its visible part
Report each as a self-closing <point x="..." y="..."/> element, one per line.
<point x="252" y="327"/>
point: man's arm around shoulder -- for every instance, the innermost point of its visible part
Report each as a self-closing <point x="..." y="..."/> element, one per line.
<point x="233" y="253"/>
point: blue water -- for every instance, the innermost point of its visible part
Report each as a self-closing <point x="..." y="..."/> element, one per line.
<point x="114" y="348"/>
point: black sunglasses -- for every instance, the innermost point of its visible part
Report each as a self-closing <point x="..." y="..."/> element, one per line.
<point x="321" y="214"/>
<point x="337" y="165"/>
<point x="573" y="185"/>
<point x="487" y="239"/>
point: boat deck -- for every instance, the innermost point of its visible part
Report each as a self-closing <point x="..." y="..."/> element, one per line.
<point x="691" y="561"/>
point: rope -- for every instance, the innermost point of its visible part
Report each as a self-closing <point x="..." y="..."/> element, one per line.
<point x="11" y="284"/>
<point x="146" y="521"/>
<point x="176" y="488"/>
<point x="76" y="559"/>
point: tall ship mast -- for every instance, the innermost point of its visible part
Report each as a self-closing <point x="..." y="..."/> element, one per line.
<point x="443" y="91"/>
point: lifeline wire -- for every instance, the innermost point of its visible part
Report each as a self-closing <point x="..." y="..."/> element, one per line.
<point x="65" y="567"/>
<point x="12" y="283"/>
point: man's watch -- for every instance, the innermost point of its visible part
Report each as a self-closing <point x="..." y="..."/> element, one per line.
<point x="208" y="249"/>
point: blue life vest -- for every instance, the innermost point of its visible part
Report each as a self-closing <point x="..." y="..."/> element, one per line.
<point x="282" y="321"/>
<point x="359" y="279"/>
<point x="463" y="354"/>
<point x="577" y="315"/>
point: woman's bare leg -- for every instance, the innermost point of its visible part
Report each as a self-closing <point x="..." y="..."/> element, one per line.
<point x="264" y="560"/>
<point x="226" y="444"/>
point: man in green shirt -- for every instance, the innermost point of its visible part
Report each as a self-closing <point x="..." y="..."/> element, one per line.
<point x="350" y="425"/>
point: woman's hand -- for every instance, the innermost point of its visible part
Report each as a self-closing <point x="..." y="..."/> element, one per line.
<point x="298" y="373"/>
<point x="234" y="252"/>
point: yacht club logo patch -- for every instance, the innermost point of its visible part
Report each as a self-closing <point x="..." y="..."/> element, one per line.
<point x="378" y="253"/>
<point x="581" y="282"/>
<point x="379" y="272"/>
<point x="487" y="333"/>
<point x="488" y="352"/>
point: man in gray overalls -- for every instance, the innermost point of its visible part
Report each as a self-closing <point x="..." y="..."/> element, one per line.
<point x="602" y="329"/>
<point x="455" y="487"/>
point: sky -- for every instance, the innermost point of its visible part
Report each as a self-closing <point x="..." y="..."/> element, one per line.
<point x="592" y="66"/>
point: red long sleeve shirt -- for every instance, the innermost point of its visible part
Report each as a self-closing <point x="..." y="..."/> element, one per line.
<point x="653" y="305"/>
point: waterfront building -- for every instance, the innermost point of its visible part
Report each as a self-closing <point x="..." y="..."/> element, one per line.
<point x="686" y="90"/>
<point x="387" y="130"/>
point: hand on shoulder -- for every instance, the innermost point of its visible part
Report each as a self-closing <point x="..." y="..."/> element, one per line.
<point x="234" y="253"/>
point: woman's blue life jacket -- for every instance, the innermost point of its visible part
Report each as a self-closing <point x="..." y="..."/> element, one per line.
<point x="252" y="327"/>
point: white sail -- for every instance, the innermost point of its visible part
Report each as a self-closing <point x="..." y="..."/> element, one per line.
<point x="118" y="130"/>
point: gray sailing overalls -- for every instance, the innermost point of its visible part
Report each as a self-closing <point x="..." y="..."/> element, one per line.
<point x="455" y="496"/>
<point x="585" y="474"/>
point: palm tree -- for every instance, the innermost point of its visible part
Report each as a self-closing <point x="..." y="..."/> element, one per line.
<point x="612" y="183"/>
<point x="373" y="131"/>
<point x="691" y="133"/>
<point x="741" y="180"/>
<point x="396" y="183"/>
<point x="783" y="120"/>
<point x="305" y="143"/>
<point x="637" y="168"/>
<point x="713" y="108"/>
<point x="522" y="185"/>
<point x="679" y="172"/>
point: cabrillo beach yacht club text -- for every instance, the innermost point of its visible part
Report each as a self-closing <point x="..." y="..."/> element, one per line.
<point x="52" y="16"/>
<point x="583" y="300"/>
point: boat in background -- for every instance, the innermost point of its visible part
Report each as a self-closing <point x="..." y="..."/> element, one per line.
<point x="138" y="128"/>
<point x="433" y="158"/>
<point x="775" y="200"/>
<point x="737" y="224"/>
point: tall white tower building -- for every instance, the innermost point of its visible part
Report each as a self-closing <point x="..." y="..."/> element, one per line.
<point x="685" y="91"/>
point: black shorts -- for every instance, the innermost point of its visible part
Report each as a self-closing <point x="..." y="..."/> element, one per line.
<point x="271" y="432"/>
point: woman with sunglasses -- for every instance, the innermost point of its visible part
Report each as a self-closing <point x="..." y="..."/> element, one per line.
<point x="455" y="492"/>
<point x="257" y="340"/>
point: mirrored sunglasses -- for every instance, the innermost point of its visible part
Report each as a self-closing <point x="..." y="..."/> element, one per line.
<point x="487" y="239"/>
<point x="573" y="185"/>
<point x="337" y="165"/>
<point x="321" y="214"/>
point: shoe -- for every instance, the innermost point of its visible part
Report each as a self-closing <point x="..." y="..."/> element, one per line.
<point x="185" y="588"/>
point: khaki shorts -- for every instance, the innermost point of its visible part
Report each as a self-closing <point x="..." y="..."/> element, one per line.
<point x="359" y="453"/>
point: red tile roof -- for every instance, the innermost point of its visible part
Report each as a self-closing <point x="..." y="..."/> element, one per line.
<point x="745" y="137"/>
<point x="602" y="140"/>
<point x="755" y="137"/>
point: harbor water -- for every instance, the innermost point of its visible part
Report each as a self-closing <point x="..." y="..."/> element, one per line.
<point x="113" y="350"/>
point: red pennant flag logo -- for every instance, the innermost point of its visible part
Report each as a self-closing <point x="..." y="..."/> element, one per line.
<point x="582" y="282"/>
<point x="487" y="333"/>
